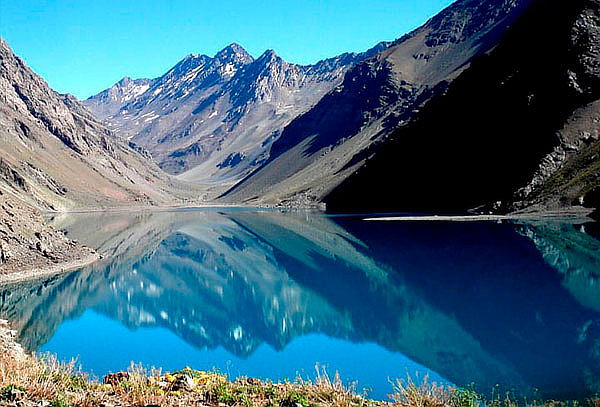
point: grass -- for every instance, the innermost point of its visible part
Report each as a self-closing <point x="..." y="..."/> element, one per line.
<point x="44" y="382"/>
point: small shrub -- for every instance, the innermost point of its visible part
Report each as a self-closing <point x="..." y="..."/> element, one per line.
<point x="465" y="398"/>
<point x="60" y="401"/>
<point x="223" y="394"/>
<point x="410" y="394"/>
<point x="295" y="399"/>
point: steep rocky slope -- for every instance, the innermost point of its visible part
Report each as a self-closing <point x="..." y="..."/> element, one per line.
<point x="26" y="242"/>
<point x="518" y="129"/>
<point x="322" y="147"/>
<point x="55" y="155"/>
<point x="214" y="119"/>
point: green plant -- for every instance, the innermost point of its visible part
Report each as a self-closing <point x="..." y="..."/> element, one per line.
<point x="465" y="398"/>
<point x="223" y="393"/>
<point x="295" y="399"/>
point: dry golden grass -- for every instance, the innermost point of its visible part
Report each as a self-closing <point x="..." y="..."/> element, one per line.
<point x="28" y="381"/>
<point x="34" y="381"/>
<point x="425" y="394"/>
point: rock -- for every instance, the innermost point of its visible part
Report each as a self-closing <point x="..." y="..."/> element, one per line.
<point x="184" y="382"/>
<point x="116" y="378"/>
<point x="5" y="253"/>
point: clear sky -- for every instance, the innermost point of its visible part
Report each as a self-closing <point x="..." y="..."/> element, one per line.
<point x="84" y="46"/>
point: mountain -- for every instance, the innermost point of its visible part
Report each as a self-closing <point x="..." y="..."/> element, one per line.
<point x="213" y="120"/>
<point x="109" y="101"/>
<point x="322" y="147"/>
<point x="518" y="129"/>
<point x="55" y="156"/>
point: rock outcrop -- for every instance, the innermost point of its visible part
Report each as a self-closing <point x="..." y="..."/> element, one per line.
<point x="28" y="243"/>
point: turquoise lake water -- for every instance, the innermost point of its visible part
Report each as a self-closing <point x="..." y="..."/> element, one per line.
<point x="498" y="306"/>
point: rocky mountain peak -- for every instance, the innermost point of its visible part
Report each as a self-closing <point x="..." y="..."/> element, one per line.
<point x="199" y="116"/>
<point x="4" y="49"/>
<point x="126" y="80"/>
<point x="234" y="53"/>
<point x="190" y="62"/>
<point x="269" y="56"/>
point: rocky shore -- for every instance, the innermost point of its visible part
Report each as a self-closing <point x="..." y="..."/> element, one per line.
<point x="29" y="248"/>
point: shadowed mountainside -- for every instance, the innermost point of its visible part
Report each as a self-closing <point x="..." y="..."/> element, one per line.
<point x="517" y="129"/>
<point x="321" y="148"/>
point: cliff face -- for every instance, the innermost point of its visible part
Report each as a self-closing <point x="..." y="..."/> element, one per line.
<point x="517" y="129"/>
<point x="321" y="148"/>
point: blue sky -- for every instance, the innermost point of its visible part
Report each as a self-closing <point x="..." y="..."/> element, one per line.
<point x="84" y="46"/>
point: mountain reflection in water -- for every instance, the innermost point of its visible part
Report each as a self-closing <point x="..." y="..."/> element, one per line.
<point x="269" y="294"/>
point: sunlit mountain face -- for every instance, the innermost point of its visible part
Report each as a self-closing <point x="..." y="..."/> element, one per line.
<point x="271" y="294"/>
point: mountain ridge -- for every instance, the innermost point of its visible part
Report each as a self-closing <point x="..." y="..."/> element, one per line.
<point x="206" y="118"/>
<point x="319" y="149"/>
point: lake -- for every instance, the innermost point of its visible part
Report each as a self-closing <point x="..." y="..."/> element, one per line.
<point x="510" y="306"/>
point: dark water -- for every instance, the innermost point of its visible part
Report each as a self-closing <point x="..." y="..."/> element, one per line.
<point x="510" y="306"/>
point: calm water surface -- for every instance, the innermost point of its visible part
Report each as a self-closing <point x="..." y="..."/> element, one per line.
<point x="510" y="306"/>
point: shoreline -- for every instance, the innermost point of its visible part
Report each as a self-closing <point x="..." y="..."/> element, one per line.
<point x="577" y="213"/>
<point x="134" y="208"/>
<point x="167" y="208"/>
<point x="35" y="273"/>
